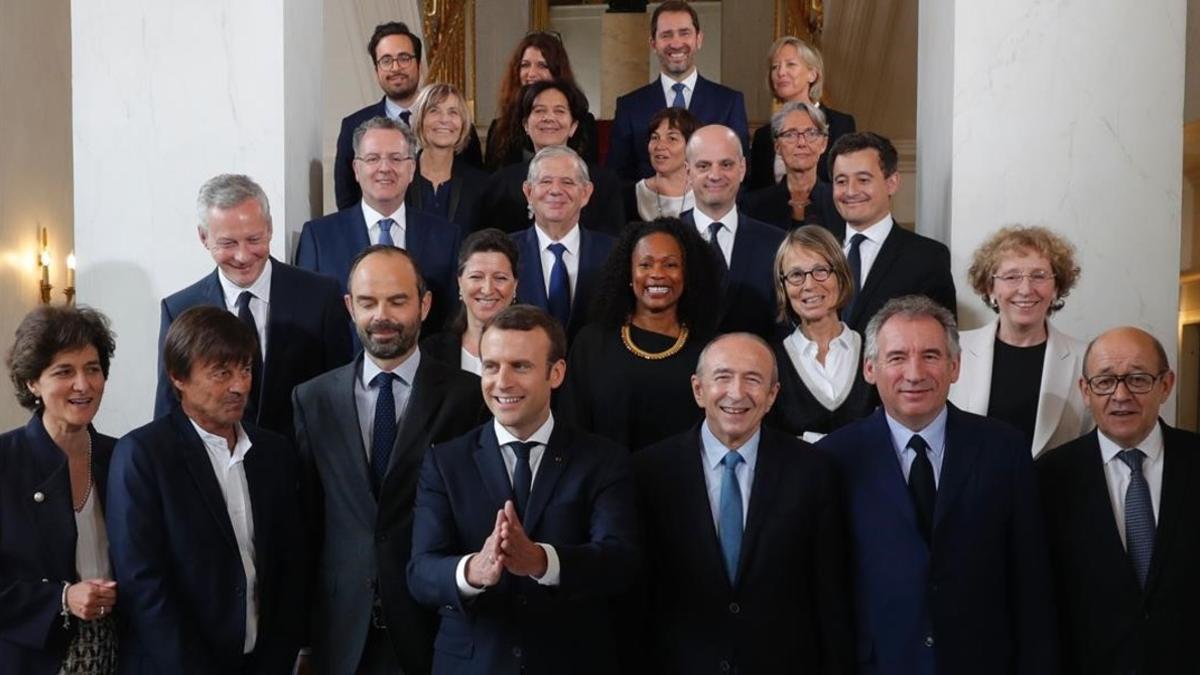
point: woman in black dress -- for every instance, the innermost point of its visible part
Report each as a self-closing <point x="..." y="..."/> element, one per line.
<point x="444" y="184"/>
<point x="629" y="372"/>
<point x="820" y="362"/>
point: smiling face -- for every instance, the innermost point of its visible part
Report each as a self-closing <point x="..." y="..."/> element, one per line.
<point x="386" y="307"/>
<point x="71" y="388"/>
<point x="399" y="82"/>
<point x="790" y="75"/>
<point x="676" y="42"/>
<point x="517" y="378"/>
<point x="716" y="167"/>
<point x="799" y="154"/>
<point x="214" y="394"/>
<point x="735" y="386"/>
<point x="1025" y="304"/>
<point x="862" y="194"/>
<point x="913" y="370"/>
<point x="666" y="149"/>
<point x="239" y="240"/>
<point x="557" y="194"/>
<point x="550" y="121"/>
<point x="813" y="300"/>
<point x="384" y="184"/>
<point x="442" y="123"/>
<point x="533" y="67"/>
<point x="658" y="273"/>
<point x="487" y="285"/>
<point x="1123" y="416"/>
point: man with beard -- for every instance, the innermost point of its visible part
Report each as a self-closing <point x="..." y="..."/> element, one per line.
<point x="362" y="431"/>
<point x="675" y="37"/>
<point x="395" y="53"/>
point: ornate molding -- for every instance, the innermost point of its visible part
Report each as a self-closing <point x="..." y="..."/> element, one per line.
<point x="803" y="18"/>
<point x="445" y="23"/>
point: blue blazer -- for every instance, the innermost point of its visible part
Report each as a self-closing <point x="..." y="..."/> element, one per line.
<point x="178" y="569"/>
<point x="980" y="599"/>
<point x="593" y="252"/>
<point x="908" y="263"/>
<point x="346" y="190"/>
<point x="306" y="336"/>
<point x="582" y="504"/>
<point x="749" y="302"/>
<point x="37" y="546"/>
<point x="329" y="244"/>
<point x="628" y="149"/>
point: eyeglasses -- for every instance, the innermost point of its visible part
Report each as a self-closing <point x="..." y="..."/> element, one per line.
<point x="1136" y="383"/>
<point x="1036" y="277"/>
<point x="374" y="160"/>
<point x="403" y="58"/>
<point x="810" y="135"/>
<point x="795" y="277"/>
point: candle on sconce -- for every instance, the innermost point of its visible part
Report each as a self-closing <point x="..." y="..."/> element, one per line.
<point x="71" y="269"/>
<point x="45" y="262"/>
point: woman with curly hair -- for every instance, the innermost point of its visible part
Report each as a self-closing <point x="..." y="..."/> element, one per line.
<point x="629" y="372"/>
<point x="1020" y="368"/>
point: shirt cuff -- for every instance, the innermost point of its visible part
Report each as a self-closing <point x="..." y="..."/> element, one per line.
<point x="553" y="571"/>
<point x="465" y="589"/>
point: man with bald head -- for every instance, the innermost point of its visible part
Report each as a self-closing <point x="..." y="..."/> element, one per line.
<point x="743" y="535"/>
<point x="743" y="247"/>
<point x="1123" y="518"/>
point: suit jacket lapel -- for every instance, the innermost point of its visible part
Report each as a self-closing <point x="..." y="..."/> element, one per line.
<point x="1179" y="476"/>
<point x="258" y="476"/>
<point x="762" y="497"/>
<point x="416" y="234"/>
<point x="282" y="305"/>
<point x="693" y="494"/>
<point x="889" y="253"/>
<point x="702" y="100"/>
<point x="1093" y="493"/>
<point x="357" y="238"/>
<point x="1055" y="387"/>
<point x="491" y="467"/>
<point x="423" y="402"/>
<point x="976" y="375"/>
<point x="885" y="468"/>
<point x="742" y="262"/>
<point x="554" y="460"/>
<point x="590" y="262"/>
<point x="195" y="457"/>
<point x="534" y="288"/>
<point x="50" y="470"/>
<point x="957" y="463"/>
<point x="347" y="454"/>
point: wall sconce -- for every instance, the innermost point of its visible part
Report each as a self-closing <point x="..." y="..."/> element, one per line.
<point x="44" y="264"/>
<point x="69" y="291"/>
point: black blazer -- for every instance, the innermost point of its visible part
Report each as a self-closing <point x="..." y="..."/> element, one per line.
<point x="345" y="189"/>
<point x="466" y="189"/>
<point x="1107" y="622"/>
<point x="790" y="608"/>
<point x="586" y="142"/>
<point x="445" y="346"/>
<point x="179" y="572"/>
<point x="770" y="205"/>
<point x="593" y="252"/>
<point x="37" y="545"/>
<point x="307" y="334"/>
<point x="762" y="149"/>
<point x="505" y="207"/>
<point x="796" y="410"/>
<point x="908" y="263"/>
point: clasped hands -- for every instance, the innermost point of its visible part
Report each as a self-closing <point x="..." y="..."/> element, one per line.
<point x="508" y="547"/>
<point x="91" y="599"/>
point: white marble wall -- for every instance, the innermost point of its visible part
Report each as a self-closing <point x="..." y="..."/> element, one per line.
<point x="166" y="95"/>
<point x="1066" y="115"/>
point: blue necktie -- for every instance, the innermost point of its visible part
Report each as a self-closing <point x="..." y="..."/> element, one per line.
<point x="559" y="298"/>
<point x="854" y="258"/>
<point x="522" y="480"/>
<point x="1139" y="515"/>
<point x="384" y="434"/>
<point x="385" y="232"/>
<point x="713" y="230"/>
<point x="922" y="486"/>
<point x="405" y="115"/>
<point x="243" y="303"/>
<point x="679" y="101"/>
<point x="729" y="518"/>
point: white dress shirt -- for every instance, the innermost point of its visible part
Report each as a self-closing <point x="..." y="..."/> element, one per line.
<point x="1117" y="473"/>
<point x="725" y="235"/>
<point x="398" y="228"/>
<point x="934" y="434"/>
<point x="260" y="304"/>
<point x="829" y="382"/>
<point x="868" y="250"/>
<point x="91" y="540"/>
<point x="712" y="452"/>
<point x="503" y="438"/>
<point x="230" y="470"/>
<point x="571" y="241"/>
<point x="365" y="394"/>
<point x="689" y="86"/>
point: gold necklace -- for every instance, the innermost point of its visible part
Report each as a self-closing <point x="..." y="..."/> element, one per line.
<point x="652" y="356"/>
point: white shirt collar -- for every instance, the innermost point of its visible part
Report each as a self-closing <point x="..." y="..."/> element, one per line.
<point x="373" y="217"/>
<point x="842" y="341"/>
<point x="393" y="109"/>
<point x="542" y="435"/>
<point x="406" y="371"/>
<point x="729" y="220"/>
<point x="934" y="433"/>
<point x="715" y="450"/>
<point x="689" y="84"/>
<point x="570" y="240"/>
<point x="261" y="288"/>
<point x="218" y="446"/>
<point x="876" y="232"/>
<point x="1151" y="445"/>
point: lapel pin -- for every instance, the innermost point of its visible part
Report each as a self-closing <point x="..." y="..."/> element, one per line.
<point x="39" y="497"/>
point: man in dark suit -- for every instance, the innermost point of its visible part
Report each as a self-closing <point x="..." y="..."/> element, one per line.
<point x="743" y="246"/>
<point x="524" y="529"/>
<point x="675" y="37"/>
<point x="1122" y="514"/>
<point x="298" y="316"/>
<point x="383" y="165"/>
<point x="886" y="260"/>
<point x="560" y="261"/>
<point x="204" y="523"/>
<point x="951" y="569"/>
<point x="766" y="590"/>
<point x="362" y="432"/>
<point x="395" y="53"/>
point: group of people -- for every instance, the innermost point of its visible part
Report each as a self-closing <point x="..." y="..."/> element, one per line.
<point x="478" y="428"/>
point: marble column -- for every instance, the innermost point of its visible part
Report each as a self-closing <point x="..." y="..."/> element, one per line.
<point x="624" y="40"/>
<point x="1066" y="115"/>
<point x="166" y="95"/>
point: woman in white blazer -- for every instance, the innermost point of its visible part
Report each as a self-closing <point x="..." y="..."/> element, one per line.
<point x="1020" y="368"/>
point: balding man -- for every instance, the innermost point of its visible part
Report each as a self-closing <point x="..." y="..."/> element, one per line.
<point x="743" y="533"/>
<point x="1123" y="512"/>
<point x="742" y="246"/>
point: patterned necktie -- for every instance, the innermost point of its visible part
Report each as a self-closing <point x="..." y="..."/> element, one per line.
<point x="522" y="480"/>
<point x="922" y="486"/>
<point x="679" y="101"/>
<point x="405" y="115"/>
<point x="559" y="297"/>
<point x="384" y="435"/>
<point x="1139" y="515"/>
<point x="385" y="232"/>
<point x="713" y="230"/>
<point x="729" y="516"/>
<point x="256" y="367"/>
<point x="854" y="258"/>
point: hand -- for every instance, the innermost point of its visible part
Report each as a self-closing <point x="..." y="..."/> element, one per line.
<point x="484" y="568"/>
<point x="522" y="557"/>
<point x="92" y="599"/>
